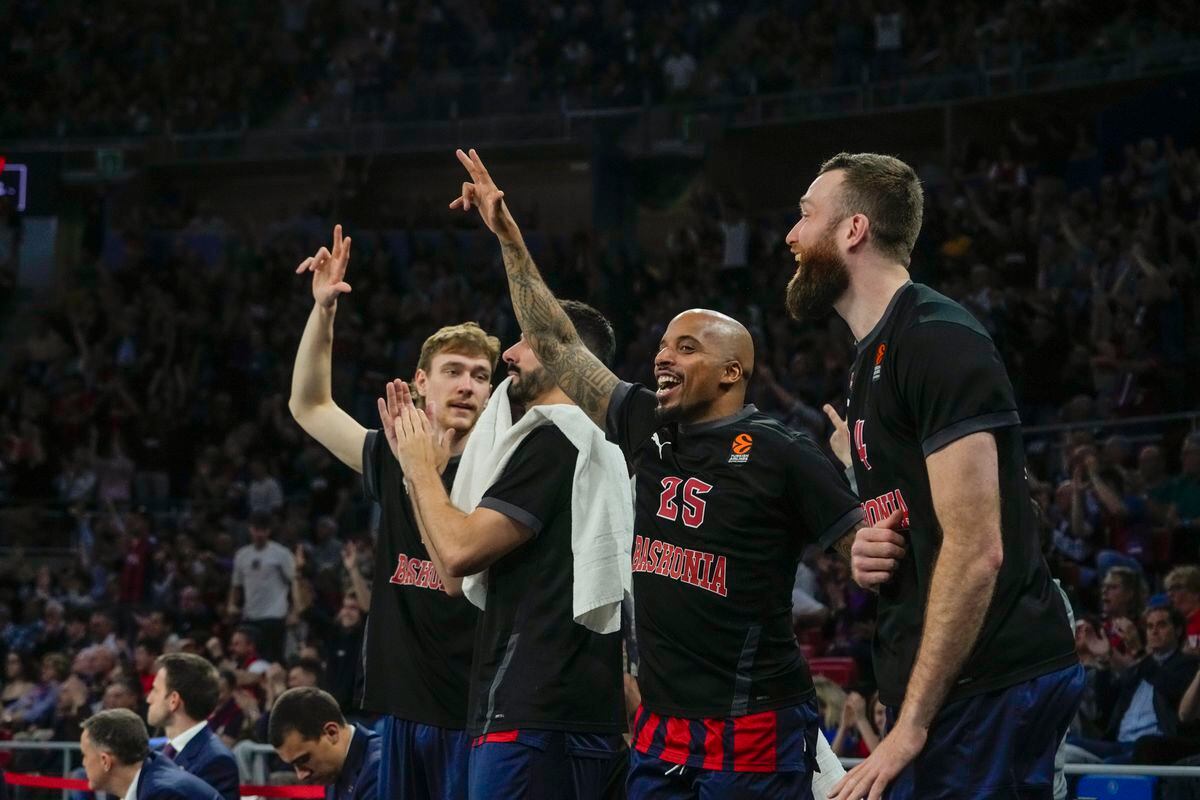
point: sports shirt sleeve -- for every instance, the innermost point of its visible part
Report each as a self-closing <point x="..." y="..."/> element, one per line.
<point x="632" y="417"/>
<point x="375" y="457"/>
<point x="535" y="479"/>
<point x="953" y="383"/>
<point x="824" y="508"/>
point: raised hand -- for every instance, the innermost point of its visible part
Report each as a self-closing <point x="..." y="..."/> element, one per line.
<point x="481" y="191"/>
<point x="389" y="412"/>
<point x="876" y="552"/>
<point x="839" y="440"/>
<point x="329" y="270"/>
<point x="350" y="556"/>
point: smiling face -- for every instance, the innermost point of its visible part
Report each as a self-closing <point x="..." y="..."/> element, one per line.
<point x="701" y="357"/>
<point x="458" y="386"/>
<point x="821" y="276"/>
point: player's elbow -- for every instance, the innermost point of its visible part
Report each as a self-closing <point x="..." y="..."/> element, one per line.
<point x="300" y="410"/>
<point x="461" y="562"/>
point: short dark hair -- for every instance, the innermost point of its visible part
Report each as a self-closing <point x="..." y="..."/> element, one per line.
<point x="594" y="330"/>
<point x="153" y="644"/>
<point x="121" y="732"/>
<point x="196" y="681"/>
<point x="310" y="665"/>
<point x="888" y="192"/>
<point x="249" y="631"/>
<point x="1173" y="615"/>
<point x="305" y="710"/>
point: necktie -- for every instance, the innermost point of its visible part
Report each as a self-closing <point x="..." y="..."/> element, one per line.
<point x="169" y="751"/>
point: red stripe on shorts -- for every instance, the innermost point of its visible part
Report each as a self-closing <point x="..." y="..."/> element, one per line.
<point x="649" y="727"/>
<point x="754" y="742"/>
<point x="714" y="744"/>
<point x="677" y="744"/>
<point x="487" y="738"/>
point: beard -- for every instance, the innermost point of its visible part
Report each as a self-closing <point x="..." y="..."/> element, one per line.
<point x="821" y="278"/>
<point x="528" y="386"/>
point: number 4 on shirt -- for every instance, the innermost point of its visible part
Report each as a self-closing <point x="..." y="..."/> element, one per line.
<point x="693" y="503"/>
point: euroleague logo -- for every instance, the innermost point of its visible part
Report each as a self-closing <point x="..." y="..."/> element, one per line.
<point x="878" y="362"/>
<point x="740" y="449"/>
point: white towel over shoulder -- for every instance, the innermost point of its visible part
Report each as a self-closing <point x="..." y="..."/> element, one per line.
<point x="601" y="502"/>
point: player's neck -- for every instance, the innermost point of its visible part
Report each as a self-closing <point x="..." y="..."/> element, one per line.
<point x="552" y="397"/>
<point x="872" y="287"/>
<point x="724" y="406"/>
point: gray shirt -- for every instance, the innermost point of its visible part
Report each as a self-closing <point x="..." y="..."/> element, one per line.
<point x="265" y="577"/>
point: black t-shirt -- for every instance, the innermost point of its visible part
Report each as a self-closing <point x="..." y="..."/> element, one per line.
<point x="926" y="376"/>
<point x="535" y="667"/>
<point x="419" y="639"/>
<point x="722" y="511"/>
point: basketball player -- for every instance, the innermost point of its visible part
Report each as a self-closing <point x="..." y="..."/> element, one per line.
<point x="419" y="640"/>
<point x="973" y="652"/>
<point x="546" y="707"/>
<point x="725" y="499"/>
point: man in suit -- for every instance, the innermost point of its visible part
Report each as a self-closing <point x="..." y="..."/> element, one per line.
<point x="308" y="731"/>
<point x="183" y="695"/>
<point x="117" y="760"/>
<point x="1144" y="695"/>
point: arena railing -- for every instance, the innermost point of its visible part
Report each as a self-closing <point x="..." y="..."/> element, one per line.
<point x="575" y="123"/>
<point x="68" y="751"/>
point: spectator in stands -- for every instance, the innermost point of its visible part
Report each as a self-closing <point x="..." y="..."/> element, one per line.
<point x="36" y="706"/>
<point x="145" y="656"/>
<point x="1140" y="692"/>
<point x="227" y="720"/>
<point x="124" y="693"/>
<point x="1122" y="597"/>
<point x="185" y="692"/>
<point x="117" y="760"/>
<point x="1185" y="489"/>
<point x="263" y="571"/>
<point x="309" y="732"/>
<point x="1183" y="587"/>
<point x="17" y="683"/>
<point x="856" y="735"/>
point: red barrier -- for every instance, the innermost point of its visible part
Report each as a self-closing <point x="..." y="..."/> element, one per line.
<point x="45" y="782"/>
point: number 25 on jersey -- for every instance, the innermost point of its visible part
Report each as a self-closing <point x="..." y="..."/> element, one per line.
<point x="691" y="495"/>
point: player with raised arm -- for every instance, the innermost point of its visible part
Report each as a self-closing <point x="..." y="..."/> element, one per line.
<point x="725" y="499"/>
<point x="973" y="653"/>
<point x="418" y="646"/>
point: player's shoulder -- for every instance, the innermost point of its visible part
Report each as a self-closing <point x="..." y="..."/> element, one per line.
<point x="547" y="439"/>
<point x="768" y="432"/>
<point x="927" y="309"/>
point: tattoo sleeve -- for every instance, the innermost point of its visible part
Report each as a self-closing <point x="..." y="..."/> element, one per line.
<point x="553" y="337"/>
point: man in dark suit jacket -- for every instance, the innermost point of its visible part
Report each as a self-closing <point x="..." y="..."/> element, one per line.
<point x="117" y="760"/>
<point x="309" y="732"/>
<point x="184" y="694"/>
<point x="1144" y="698"/>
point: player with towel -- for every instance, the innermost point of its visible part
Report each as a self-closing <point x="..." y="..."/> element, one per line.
<point x="540" y="528"/>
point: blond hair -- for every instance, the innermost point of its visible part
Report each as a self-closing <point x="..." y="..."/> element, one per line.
<point x="466" y="339"/>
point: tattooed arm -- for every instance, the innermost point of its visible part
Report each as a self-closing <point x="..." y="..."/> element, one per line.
<point x="544" y="324"/>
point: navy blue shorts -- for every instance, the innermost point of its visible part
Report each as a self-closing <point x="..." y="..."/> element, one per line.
<point x="536" y="764"/>
<point x="999" y="744"/>
<point x="651" y="778"/>
<point x="422" y="762"/>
